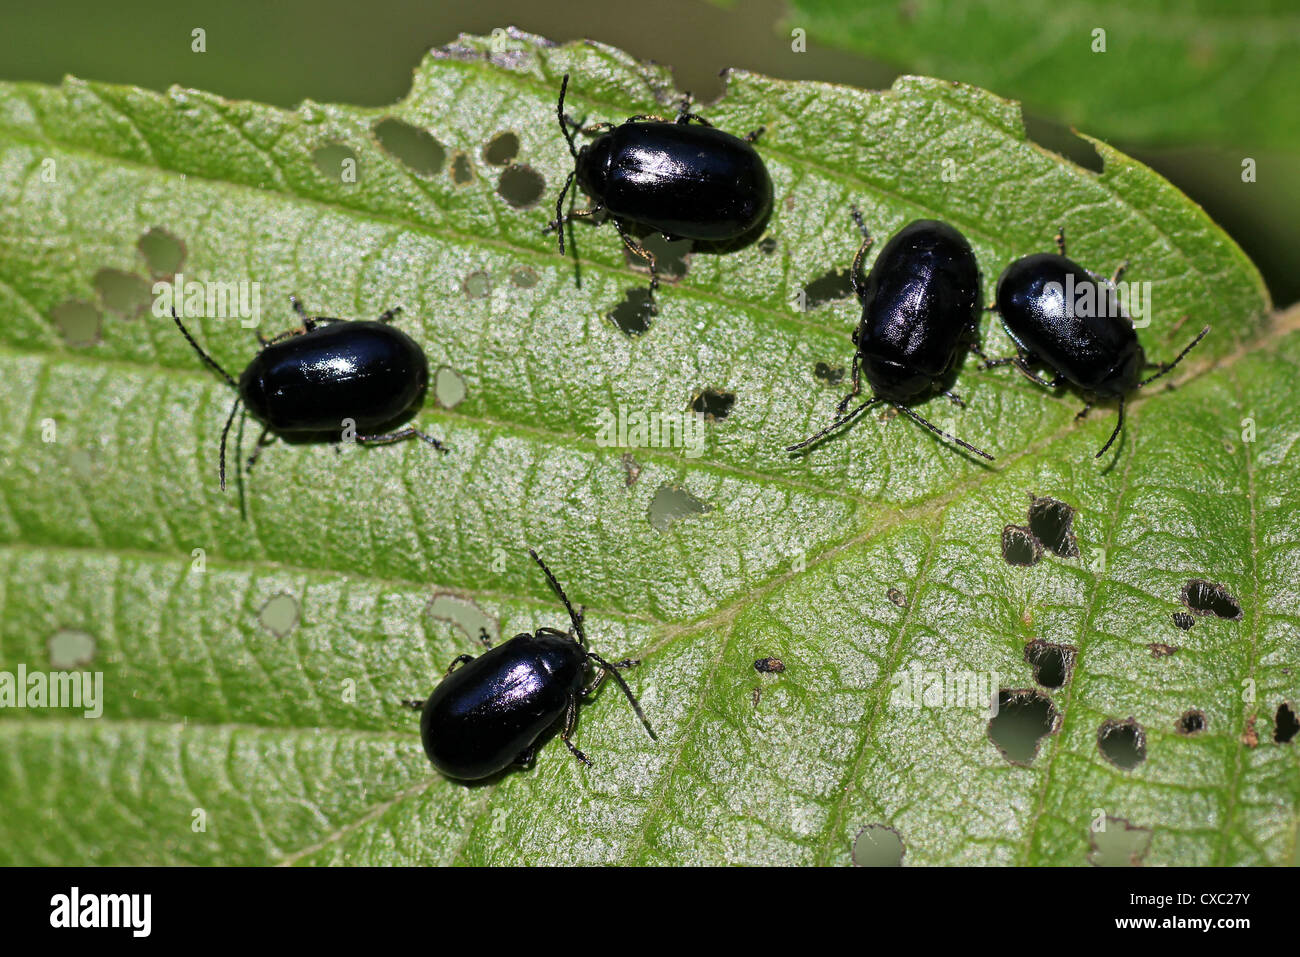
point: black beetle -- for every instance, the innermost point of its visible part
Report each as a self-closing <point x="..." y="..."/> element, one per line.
<point x="309" y="380"/>
<point x="1085" y="338"/>
<point x="488" y="714"/>
<point x="687" y="182"/>
<point x="919" y="303"/>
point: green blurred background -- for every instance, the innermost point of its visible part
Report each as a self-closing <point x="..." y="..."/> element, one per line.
<point x="344" y="51"/>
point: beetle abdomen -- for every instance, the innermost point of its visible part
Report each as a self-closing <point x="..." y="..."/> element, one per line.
<point x="487" y="712"/>
<point x="1053" y="308"/>
<point x="695" y="182"/>
<point x="920" y="298"/>
<point x="367" y="371"/>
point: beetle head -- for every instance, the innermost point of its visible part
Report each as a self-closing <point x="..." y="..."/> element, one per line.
<point x="592" y="165"/>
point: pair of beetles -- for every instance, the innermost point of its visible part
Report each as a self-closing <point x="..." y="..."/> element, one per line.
<point x="686" y="179"/>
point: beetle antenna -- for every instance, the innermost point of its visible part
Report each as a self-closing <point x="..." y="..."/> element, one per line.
<point x="1119" y="424"/>
<point x="224" y="433"/>
<point x="557" y="224"/>
<point x="611" y="670"/>
<point x="207" y="358"/>
<point x="938" y="431"/>
<point x="559" y="112"/>
<point x="835" y="425"/>
<point x="573" y="616"/>
<point x="1168" y="367"/>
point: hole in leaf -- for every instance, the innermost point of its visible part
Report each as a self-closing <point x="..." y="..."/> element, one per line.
<point x="828" y="288"/>
<point x="897" y="597"/>
<point x="462" y="172"/>
<point x="82" y="463"/>
<point x="279" y="614"/>
<point x="1183" y="620"/>
<point x="78" y="322"/>
<point x="1052" y="522"/>
<point x="633" y="314"/>
<point x="1061" y="139"/>
<point x="463" y="614"/>
<point x="413" y="147"/>
<point x="1052" y="663"/>
<point x="448" y="387"/>
<point x="124" y="293"/>
<point x="1122" y="743"/>
<point x="164" y="253"/>
<point x="769" y="666"/>
<point x="501" y="149"/>
<point x="1285" y="724"/>
<point x="477" y="285"/>
<point x="71" y="649"/>
<point x="521" y="186"/>
<point x="1020" y="547"/>
<point x="336" y="162"/>
<point x="1192" y="722"/>
<point x="713" y="404"/>
<point x="1119" y="844"/>
<point x="671" y="504"/>
<point x="525" y="277"/>
<point x="828" y="373"/>
<point x="1207" y="598"/>
<point x="671" y="255"/>
<point x="877" y="845"/>
<point x="832" y="286"/>
<point x="1024" y="717"/>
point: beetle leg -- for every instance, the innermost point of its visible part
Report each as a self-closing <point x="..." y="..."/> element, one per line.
<point x="1084" y="411"/>
<point x="1119" y="424"/>
<point x="753" y="135"/>
<point x="954" y="398"/>
<point x="308" y="322"/>
<point x="1119" y="272"/>
<point x="257" y="449"/>
<point x="484" y="637"/>
<point x="459" y="660"/>
<point x="597" y="128"/>
<point x="1060" y="239"/>
<point x="855" y="274"/>
<point x="525" y="758"/>
<point x="1021" y="363"/>
<point x="388" y="315"/>
<point x="570" y="721"/>
<point x="839" y="421"/>
<point x="407" y="433"/>
<point x="640" y="251"/>
<point x="857" y="384"/>
<point x="642" y="117"/>
<point x="264" y="342"/>
<point x="597" y="681"/>
<point x="685" y="117"/>
<point x="415" y="705"/>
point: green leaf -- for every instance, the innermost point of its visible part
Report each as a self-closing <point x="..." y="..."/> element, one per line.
<point x="234" y="731"/>
<point x="1226" y="72"/>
